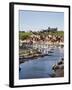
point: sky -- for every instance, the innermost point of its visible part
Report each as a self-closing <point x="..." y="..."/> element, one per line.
<point x="39" y="20"/>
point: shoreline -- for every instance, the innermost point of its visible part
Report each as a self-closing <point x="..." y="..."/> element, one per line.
<point x="35" y="54"/>
<point x="23" y="59"/>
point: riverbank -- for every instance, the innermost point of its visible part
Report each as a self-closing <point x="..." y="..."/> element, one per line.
<point x="26" y="58"/>
<point x="27" y="54"/>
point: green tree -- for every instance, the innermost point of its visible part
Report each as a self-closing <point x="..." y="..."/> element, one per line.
<point x="24" y="35"/>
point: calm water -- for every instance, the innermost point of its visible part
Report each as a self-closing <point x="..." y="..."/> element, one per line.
<point x="42" y="66"/>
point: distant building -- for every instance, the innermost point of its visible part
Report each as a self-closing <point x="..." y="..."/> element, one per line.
<point x="50" y="30"/>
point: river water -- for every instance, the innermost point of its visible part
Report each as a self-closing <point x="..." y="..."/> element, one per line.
<point x="41" y="67"/>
